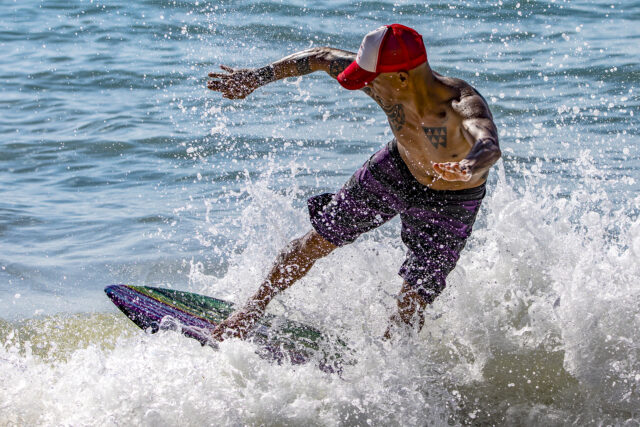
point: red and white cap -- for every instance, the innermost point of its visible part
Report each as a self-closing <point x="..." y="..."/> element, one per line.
<point x="385" y="50"/>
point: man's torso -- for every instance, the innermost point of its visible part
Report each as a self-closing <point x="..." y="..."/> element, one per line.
<point x="433" y="135"/>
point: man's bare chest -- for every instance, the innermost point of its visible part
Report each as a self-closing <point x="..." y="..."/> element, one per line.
<point x="433" y="140"/>
<point x="433" y="134"/>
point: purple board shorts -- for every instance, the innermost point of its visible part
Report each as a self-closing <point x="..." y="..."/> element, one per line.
<point x="435" y="223"/>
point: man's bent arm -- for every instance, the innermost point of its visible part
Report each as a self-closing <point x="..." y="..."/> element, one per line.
<point x="485" y="150"/>
<point x="480" y="131"/>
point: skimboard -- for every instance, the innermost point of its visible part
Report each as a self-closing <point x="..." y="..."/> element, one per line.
<point x="195" y="316"/>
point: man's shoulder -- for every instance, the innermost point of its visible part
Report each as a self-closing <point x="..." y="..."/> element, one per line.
<point x="468" y="102"/>
<point x="462" y="88"/>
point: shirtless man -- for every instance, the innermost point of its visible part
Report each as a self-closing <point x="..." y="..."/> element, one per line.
<point x="433" y="173"/>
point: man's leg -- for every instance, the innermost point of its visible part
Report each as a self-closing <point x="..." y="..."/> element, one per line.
<point x="293" y="263"/>
<point x="296" y="259"/>
<point x="362" y="204"/>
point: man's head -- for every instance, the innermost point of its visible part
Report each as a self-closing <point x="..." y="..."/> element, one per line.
<point x="389" y="49"/>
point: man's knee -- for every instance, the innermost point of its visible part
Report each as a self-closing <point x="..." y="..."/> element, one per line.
<point x="314" y="245"/>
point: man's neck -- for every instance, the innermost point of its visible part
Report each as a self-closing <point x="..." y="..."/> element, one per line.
<point x="425" y="91"/>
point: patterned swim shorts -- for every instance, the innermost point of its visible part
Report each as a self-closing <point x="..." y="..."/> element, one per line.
<point x="435" y="223"/>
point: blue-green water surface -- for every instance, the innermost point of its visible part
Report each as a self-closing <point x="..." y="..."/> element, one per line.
<point x="118" y="166"/>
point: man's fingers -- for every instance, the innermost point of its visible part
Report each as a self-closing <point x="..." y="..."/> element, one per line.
<point x="218" y="75"/>
<point x="220" y="86"/>
<point x="230" y="95"/>
<point x="448" y="166"/>
<point x="452" y="171"/>
<point x="440" y="167"/>
<point x="214" y="85"/>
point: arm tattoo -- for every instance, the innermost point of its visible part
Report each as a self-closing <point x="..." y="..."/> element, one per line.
<point x="437" y="136"/>
<point x="302" y="65"/>
<point x="484" y="153"/>
<point x="395" y="113"/>
<point x="266" y="74"/>
<point x="300" y="60"/>
<point x="338" y="65"/>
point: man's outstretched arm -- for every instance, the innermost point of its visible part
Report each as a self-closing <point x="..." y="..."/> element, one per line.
<point x="238" y="83"/>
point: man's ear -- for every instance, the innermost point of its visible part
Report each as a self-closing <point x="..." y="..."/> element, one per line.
<point x="403" y="76"/>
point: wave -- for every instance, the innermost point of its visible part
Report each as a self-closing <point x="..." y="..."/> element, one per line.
<point x="538" y="325"/>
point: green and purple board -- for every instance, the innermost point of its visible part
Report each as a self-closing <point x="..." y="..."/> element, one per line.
<point x="195" y="316"/>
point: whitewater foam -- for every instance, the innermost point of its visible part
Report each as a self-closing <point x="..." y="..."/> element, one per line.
<point x="538" y="324"/>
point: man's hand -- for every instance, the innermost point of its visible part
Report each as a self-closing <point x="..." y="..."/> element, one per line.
<point x="453" y="171"/>
<point x="236" y="83"/>
<point x="238" y="325"/>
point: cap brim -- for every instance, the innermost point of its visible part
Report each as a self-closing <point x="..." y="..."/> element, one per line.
<point x="354" y="77"/>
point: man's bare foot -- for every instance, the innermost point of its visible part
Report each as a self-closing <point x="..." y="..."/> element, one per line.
<point x="238" y="325"/>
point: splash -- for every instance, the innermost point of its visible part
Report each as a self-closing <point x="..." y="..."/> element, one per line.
<point x="538" y="325"/>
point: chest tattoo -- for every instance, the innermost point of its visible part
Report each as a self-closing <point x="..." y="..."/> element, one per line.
<point x="437" y="136"/>
<point x="394" y="112"/>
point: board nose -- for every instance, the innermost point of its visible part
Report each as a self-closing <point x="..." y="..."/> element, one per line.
<point x="109" y="290"/>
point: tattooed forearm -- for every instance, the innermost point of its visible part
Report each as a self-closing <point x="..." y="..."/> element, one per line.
<point x="297" y="64"/>
<point x="332" y="61"/>
<point x="266" y="74"/>
<point x="484" y="153"/>
<point x="302" y="65"/>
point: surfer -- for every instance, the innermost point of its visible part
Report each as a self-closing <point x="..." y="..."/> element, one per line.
<point x="432" y="173"/>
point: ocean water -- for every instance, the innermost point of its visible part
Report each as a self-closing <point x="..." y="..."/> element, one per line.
<point x="118" y="166"/>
